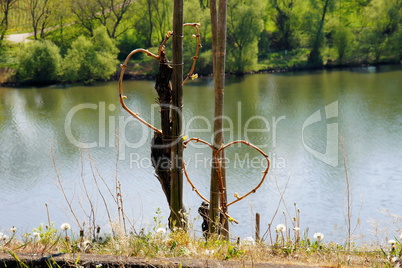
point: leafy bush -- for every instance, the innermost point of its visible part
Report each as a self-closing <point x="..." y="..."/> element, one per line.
<point x="342" y="41"/>
<point x="91" y="59"/>
<point x="127" y="43"/>
<point x="39" y="62"/>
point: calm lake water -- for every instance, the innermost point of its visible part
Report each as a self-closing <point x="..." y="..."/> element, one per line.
<point x="298" y="119"/>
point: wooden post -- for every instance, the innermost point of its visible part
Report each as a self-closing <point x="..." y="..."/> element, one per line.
<point x="218" y="25"/>
<point x="257" y="227"/>
<point x="176" y="198"/>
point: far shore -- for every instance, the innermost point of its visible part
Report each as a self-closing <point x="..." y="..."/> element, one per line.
<point x="8" y="72"/>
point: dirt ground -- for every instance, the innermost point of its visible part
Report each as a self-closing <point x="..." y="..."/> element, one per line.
<point x="91" y="260"/>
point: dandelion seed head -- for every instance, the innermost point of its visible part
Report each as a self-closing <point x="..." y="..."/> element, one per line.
<point x="319" y="236"/>
<point x="161" y="231"/>
<point x="65" y="226"/>
<point x="280" y="228"/>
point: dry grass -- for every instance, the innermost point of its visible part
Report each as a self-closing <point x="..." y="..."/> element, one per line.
<point x="48" y="240"/>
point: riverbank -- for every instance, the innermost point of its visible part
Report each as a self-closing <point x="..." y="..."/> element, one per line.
<point x="230" y="255"/>
<point x="144" y="69"/>
<point x="95" y="260"/>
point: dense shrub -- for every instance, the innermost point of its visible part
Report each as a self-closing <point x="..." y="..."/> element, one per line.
<point x="39" y="62"/>
<point x="127" y="43"/>
<point x="91" y="59"/>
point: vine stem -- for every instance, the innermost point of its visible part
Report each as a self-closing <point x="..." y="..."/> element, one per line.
<point x="224" y="206"/>
<point x="161" y="48"/>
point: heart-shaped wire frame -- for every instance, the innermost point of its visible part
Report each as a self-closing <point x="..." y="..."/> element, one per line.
<point x="224" y="203"/>
<point x="159" y="58"/>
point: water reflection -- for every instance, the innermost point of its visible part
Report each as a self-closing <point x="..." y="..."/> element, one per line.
<point x="267" y="109"/>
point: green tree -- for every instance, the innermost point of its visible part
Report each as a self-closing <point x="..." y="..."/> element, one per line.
<point x="381" y="28"/>
<point x="39" y="11"/>
<point x="323" y="7"/>
<point x="243" y="31"/>
<point x="342" y="38"/>
<point x="91" y="59"/>
<point x="284" y="37"/>
<point x="39" y="62"/>
<point x="5" y="8"/>
<point x="109" y="13"/>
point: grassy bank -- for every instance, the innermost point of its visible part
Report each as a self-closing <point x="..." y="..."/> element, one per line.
<point x="48" y="241"/>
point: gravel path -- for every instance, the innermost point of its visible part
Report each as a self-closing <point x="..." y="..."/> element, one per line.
<point x="19" y="38"/>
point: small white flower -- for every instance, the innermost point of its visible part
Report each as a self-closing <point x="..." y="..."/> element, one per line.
<point x="319" y="236"/>
<point x="36" y="235"/>
<point x="280" y="228"/>
<point x="65" y="227"/>
<point x="161" y="231"/>
<point x="394" y="259"/>
<point x="13" y="229"/>
<point x="185" y="251"/>
<point x="99" y="265"/>
<point x="249" y="241"/>
<point x="4" y="237"/>
<point x="296" y="229"/>
<point x="86" y="244"/>
<point x="209" y="252"/>
<point x="392" y="242"/>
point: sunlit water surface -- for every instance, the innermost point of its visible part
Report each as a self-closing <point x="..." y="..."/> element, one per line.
<point x="298" y="119"/>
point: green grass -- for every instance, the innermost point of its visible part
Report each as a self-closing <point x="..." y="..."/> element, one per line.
<point x="180" y="244"/>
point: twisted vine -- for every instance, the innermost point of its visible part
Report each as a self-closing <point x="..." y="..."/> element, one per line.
<point x="216" y="151"/>
<point x="224" y="205"/>
<point x="158" y="57"/>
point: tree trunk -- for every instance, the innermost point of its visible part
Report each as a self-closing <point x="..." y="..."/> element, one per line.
<point x="176" y="198"/>
<point x="149" y="37"/>
<point x="314" y="57"/>
<point x="161" y="143"/>
<point x="218" y="24"/>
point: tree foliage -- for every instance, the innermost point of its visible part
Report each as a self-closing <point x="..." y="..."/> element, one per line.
<point x="244" y="28"/>
<point x="285" y="20"/>
<point x="39" y="62"/>
<point x="5" y="9"/>
<point x="291" y="32"/>
<point x="91" y="59"/>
